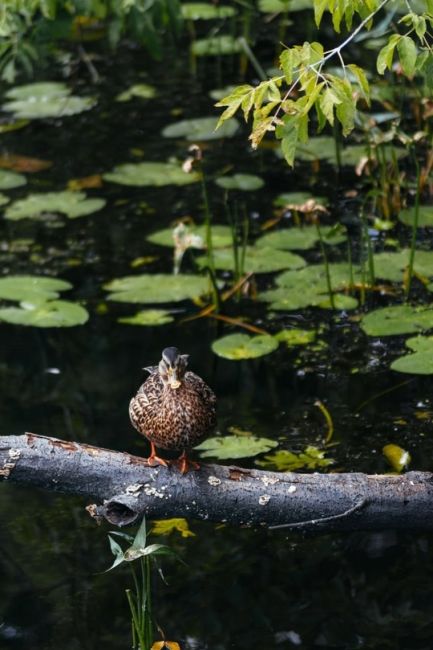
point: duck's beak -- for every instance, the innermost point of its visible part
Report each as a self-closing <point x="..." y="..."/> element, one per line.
<point x="173" y="380"/>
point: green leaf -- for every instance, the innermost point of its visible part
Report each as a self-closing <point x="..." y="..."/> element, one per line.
<point x="44" y="100"/>
<point x="142" y="91"/>
<point x="54" y="313"/>
<point x="221" y="236"/>
<point x="328" y="100"/>
<point x="237" y="347"/>
<point x="205" y="11"/>
<point x="386" y="54"/>
<point x="287" y="461"/>
<point x="397" y="457"/>
<point x="73" y="204"/>
<point x="216" y="46"/>
<point x="398" y="319"/>
<point x="408" y="54"/>
<point x="144" y="174"/>
<point x="158" y="288"/>
<point x="148" y="318"/>
<point x="9" y="180"/>
<point x="241" y="182"/>
<point x="31" y="288"/>
<point x="295" y="337"/>
<point x="258" y="259"/>
<point x="201" y="129"/>
<point x="300" y="238"/>
<point x="425" y="216"/>
<point x="419" y="363"/>
<point x="227" y="447"/>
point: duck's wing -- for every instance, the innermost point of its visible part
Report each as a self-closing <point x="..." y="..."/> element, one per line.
<point x="197" y="384"/>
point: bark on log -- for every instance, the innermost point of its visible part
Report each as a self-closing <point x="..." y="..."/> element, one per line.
<point x="127" y="488"/>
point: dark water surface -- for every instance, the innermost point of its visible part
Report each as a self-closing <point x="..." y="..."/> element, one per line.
<point x="241" y="589"/>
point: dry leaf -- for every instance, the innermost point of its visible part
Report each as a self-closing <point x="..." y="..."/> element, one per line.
<point x="23" y="163"/>
<point x="86" y="182"/>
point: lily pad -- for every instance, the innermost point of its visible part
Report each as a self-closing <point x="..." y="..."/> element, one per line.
<point x="241" y="182"/>
<point x="399" y="319"/>
<point x="397" y="457"/>
<point x="301" y="238"/>
<point x="258" y="259"/>
<point x="420" y="362"/>
<point x="242" y="346"/>
<point x="287" y="461"/>
<point x="297" y="198"/>
<point x="425" y="216"/>
<point x="391" y="265"/>
<point x="157" y="288"/>
<point x="220" y="93"/>
<point x="205" y="11"/>
<point x="142" y="91"/>
<point x="277" y="6"/>
<point x="235" y="447"/>
<point x="295" y="337"/>
<point x="148" y="318"/>
<point x="44" y="100"/>
<point x="4" y="199"/>
<point x="221" y="236"/>
<point x="150" y="173"/>
<point x="73" y="204"/>
<point x="216" y="46"/>
<point x="31" y="288"/>
<point x="308" y="287"/>
<point x="201" y="129"/>
<point x="9" y="180"/>
<point x="53" y="313"/>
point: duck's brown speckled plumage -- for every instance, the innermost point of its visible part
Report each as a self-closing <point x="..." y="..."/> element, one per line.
<point x="175" y="419"/>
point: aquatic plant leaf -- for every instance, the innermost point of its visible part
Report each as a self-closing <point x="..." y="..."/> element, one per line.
<point x="4" y="199"/>
<point x="425" y="216"/>
<point x="295" y="336"/>
<point x="242" y="346"/>
<point x="205" y="11"/>
<point x="216" y="46"/>
<point x="323" y="147"/>
<point x="73" y="204"/>
<point x="300" y="238"/>
<point x="53" y="313"/>
<point x="287" y="461"/>
<point x="142" y="91"/>
<point x="298" y="198"/>
<point x="148" y="318"/>
<point x="241" y="182"/>
<point x="157" y="288"/>
<point x="340" y="301"/>
<point x="258" y="259"/>
<point x="221" y="236"/>
<point x="397" y="457"/>
<point x="235" y="447"/>
<point x="44" y="100"/>
<point x="157" y="174"/>
<point x="201" y="129"/>
<point x="167" y="526"/>
<point x="23" y="163"/>
<point x="420" y="362"/>
<point x="399" y="319"/>
<point x="31" y="288"/>
<point x="277" y="6"/>
<point x="220" y="93"/>
<point x="9" y="180"/>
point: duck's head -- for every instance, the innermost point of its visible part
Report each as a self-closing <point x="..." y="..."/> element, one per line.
<point x="172" y="367"/>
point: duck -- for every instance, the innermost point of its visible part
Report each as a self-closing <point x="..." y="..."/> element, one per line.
<point x="174" y="409"/>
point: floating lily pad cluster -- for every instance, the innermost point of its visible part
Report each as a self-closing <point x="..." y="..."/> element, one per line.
<point x="157" y="174"/>
<point x="201" y="129"/>
<point x="72" y="204"/>
<point x="38" y="303"/>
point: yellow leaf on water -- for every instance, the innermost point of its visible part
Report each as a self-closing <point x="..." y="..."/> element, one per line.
<point x="167" y="526"/>
<point x="165" y="645"/>
<point x="87" y="181"/>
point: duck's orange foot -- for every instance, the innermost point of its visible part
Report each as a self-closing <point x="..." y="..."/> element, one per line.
<point x="154" y="460"/>
<point x="185" y="464"/>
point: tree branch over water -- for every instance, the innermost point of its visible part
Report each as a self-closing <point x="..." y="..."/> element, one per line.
<point x="126" y="488"/>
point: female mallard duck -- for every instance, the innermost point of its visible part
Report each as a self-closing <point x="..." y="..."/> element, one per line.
<point x="174" y="408"/>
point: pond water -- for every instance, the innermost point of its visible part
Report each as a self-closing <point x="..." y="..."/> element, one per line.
<point x="240" y="588"/>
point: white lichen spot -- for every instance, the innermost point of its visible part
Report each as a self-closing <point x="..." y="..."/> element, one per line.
<point x="153" y="492"/>
<point x="264" y="499"/>
<point x="292" y="489"/>
<point x="14" y="454"/>
<point x="213" y="480"/>
<point x="269" y="480"/>
<point x="134" y="489"/>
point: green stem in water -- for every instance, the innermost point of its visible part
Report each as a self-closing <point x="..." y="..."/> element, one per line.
<point x="325" y="262"/>
<point x="414" y="229"/>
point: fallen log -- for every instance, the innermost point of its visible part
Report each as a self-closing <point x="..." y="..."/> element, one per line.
<point x="126" y="488"/>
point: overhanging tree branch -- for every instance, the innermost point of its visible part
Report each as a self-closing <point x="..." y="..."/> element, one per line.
<point x="126" y="488"/>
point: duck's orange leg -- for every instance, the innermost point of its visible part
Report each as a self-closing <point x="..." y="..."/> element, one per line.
<point x="185" y="464"/>
<point x="154" y="459"/>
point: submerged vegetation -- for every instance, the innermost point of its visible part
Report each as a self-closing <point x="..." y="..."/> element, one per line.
<point x="256" y="183"/>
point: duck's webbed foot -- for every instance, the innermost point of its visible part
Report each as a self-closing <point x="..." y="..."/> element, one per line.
<point x="154" y="460"/>
<point x="185" y="464"/>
